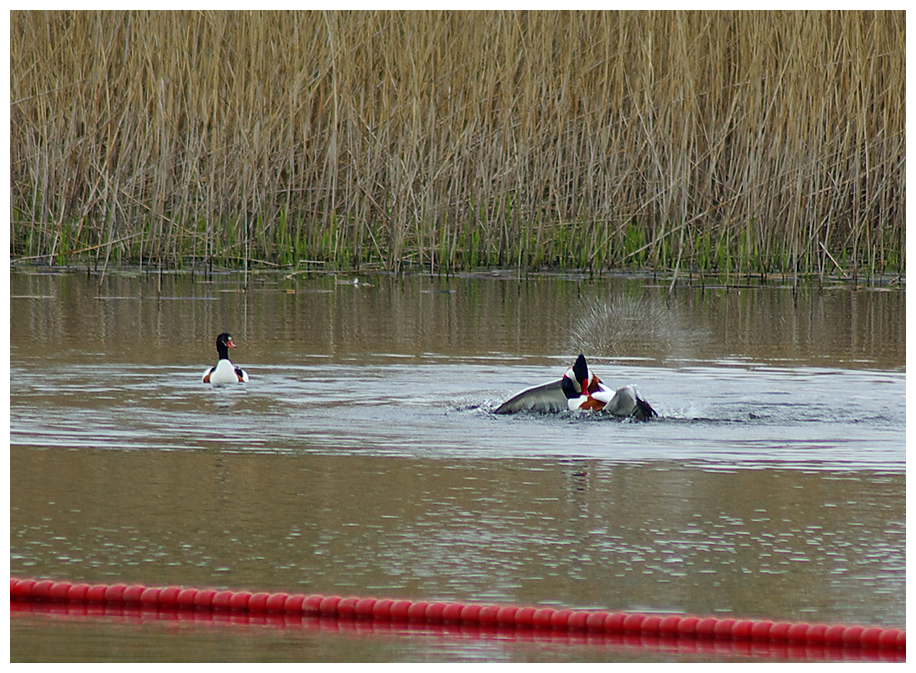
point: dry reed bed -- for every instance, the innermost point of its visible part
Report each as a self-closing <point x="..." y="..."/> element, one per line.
<point x="737" y="142"/>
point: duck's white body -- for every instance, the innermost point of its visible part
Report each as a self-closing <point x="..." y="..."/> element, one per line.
<point x="224" y="372"/>
<point x="620" y="402"/>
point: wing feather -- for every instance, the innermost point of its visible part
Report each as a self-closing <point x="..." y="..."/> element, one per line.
<point x="545" y="398"/>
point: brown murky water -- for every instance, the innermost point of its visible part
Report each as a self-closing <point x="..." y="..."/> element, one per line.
<point x="363" y="458"/>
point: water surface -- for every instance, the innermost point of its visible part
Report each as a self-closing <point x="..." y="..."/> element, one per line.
<point x="363" y="457"/>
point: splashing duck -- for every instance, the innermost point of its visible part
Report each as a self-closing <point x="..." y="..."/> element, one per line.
<point x="579" y="390"/>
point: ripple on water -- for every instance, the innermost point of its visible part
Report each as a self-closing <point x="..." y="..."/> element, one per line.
<point x="725" y="415"/>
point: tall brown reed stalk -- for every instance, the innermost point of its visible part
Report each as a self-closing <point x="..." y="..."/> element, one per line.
<point x="739" y="142"/>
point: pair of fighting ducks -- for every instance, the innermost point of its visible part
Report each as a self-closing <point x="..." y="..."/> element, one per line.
<point x="578" y="390"/>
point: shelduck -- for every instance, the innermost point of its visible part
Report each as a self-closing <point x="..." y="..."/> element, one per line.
<point x="579" y="390"/>
<point x="225" y="371"/>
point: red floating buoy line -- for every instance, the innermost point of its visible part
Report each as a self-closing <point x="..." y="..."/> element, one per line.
<point x="421" y="612"/>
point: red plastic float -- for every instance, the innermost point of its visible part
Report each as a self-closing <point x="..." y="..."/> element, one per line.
<point x="396" y="610"/>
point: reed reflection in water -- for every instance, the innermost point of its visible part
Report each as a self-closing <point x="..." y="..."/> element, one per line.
<point x="363" y="458"/>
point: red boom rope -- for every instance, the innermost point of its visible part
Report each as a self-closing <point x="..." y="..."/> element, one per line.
<point x="386" y="609"/>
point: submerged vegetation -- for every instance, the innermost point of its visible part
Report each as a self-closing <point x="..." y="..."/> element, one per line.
<point x="725" y="142"/>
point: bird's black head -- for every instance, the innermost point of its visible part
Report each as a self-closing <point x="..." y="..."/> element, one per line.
<point x="580" y="369"/>
<point x="224" y="340"/>
<point x="569" y="388"/>
<point x="223" y="344"/>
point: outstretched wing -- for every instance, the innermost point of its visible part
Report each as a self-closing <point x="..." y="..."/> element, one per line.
<point x="545" y="398"/>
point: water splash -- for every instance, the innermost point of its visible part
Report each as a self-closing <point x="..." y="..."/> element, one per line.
<point x="627" y="326"/>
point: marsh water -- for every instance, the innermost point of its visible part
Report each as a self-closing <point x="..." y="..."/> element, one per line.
<point x="363" y="457"/>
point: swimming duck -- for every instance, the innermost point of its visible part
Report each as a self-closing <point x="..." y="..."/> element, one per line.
<point x="225" y="371"/>
<point x="579" y="390"/>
